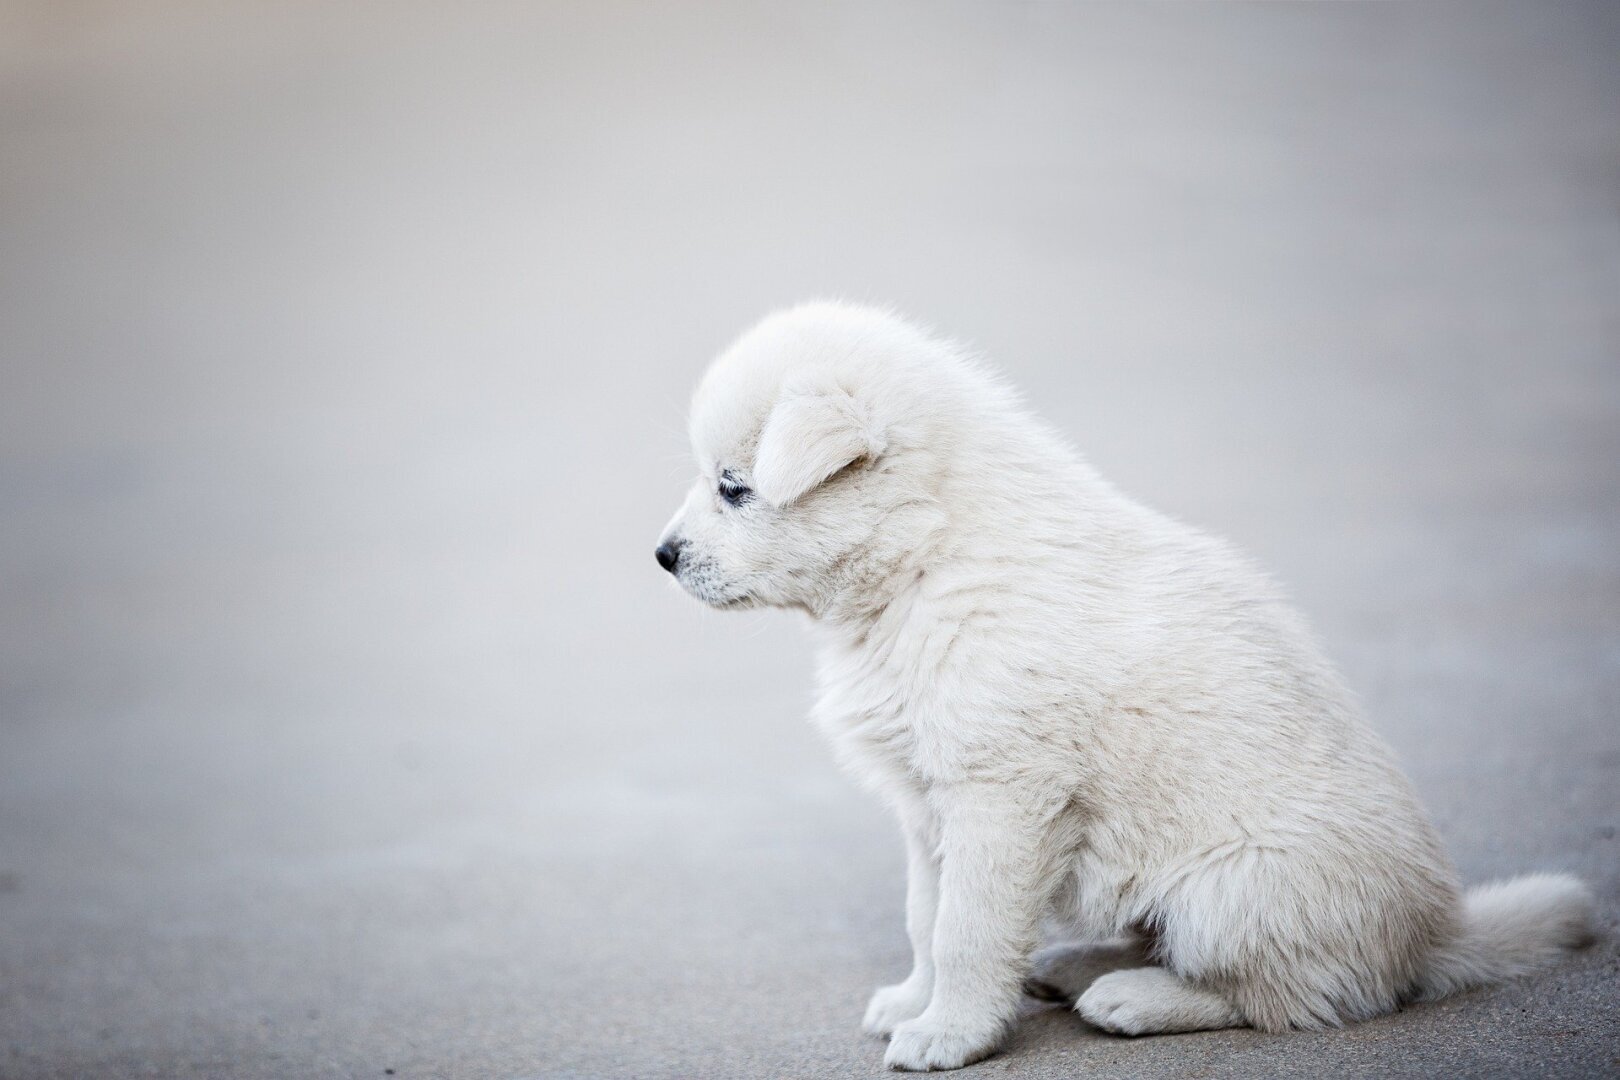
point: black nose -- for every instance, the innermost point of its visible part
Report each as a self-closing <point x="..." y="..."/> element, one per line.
<point x="669" y="553"/>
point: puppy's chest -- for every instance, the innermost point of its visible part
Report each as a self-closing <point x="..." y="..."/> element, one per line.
<point x="881" y="717"/>
<point x="867" y="718"/>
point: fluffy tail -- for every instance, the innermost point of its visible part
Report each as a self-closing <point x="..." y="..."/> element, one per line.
<point x="1511" y="928"/>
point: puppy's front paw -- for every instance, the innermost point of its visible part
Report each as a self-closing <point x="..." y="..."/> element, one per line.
<point x="922" y="1044"/>
<point x="893" y="1005"/>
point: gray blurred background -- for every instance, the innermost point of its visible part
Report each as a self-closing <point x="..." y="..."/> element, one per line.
<point x="346" y="722"/>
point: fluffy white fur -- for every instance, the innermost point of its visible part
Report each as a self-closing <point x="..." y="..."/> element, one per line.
<point x="1080" y="709"/>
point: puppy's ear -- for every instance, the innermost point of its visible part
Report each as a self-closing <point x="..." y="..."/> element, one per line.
<point x="810" y="435"/>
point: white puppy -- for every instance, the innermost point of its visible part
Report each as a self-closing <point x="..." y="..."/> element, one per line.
<point x="1079" y="708"/>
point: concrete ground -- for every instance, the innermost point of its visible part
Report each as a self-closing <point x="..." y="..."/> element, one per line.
<point x="347" y="727"/>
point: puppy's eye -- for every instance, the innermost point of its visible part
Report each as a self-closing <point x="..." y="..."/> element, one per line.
<point x="734" y="493"/>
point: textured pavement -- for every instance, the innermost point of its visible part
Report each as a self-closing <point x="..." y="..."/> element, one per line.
<point x="346" y="723"/>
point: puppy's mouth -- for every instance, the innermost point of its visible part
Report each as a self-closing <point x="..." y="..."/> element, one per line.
<point x="718" y="598"/>
<point x="721" y="601"/>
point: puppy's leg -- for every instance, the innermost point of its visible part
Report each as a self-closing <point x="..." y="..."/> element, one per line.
<point x="1154" y="1001"/>
<point x="902" y="1001"/>
<point x="1063" y="972"/>
<point x="995" y="874"/>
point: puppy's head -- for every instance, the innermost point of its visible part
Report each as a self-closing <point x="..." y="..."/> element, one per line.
<point x="800" y="433"/>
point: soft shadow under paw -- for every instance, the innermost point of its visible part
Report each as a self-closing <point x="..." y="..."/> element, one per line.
<point x="1061" y="973"/>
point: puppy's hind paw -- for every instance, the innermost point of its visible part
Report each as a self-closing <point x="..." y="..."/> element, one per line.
<point x="1153" y="1001"/>
<point x="920" y="1045"/>
<point x="894" y="1005"/>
